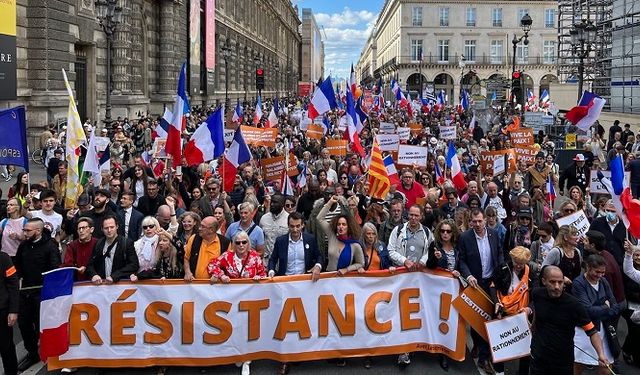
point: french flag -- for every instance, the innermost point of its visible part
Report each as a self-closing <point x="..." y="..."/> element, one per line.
<point x="587" y="111"/>
<point x="237" y="154"/>
<point x="361" y="117"/>
<point x="628" y="209"/>
<point x="397" y="91"/>
<point x="286" y="185"/>
<point x="323" y="99"/>
<point x="352" y="82"/>
<point x="237" y="113"/>
<point x="392" y="172"/>
<point x="454" y="166"/>
<point x="551" y="191"/>
<point x="544" y="98"/>
<point x="272" y="120"/>
<point x="326" y="124"/>
<point x="55" y="307"/>
<point x="162" y="130"/>
<point x="352" y="119"/>
<point x="440" y="179"/>
<point x="207" y="142"/>
<point x="257" y="115"/>
<point x="472" y="124"/>
<point x="464" y="102"/>
<point x="179" y="119"/>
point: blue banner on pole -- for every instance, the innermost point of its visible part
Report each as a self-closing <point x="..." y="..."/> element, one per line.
<point x="13" y="142"/>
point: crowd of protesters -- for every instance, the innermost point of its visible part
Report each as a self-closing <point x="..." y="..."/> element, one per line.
<point x="146" y="220"/>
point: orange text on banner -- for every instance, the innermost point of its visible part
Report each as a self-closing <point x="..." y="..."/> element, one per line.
<point x="337" y="147"/>
<point x="487" y="158"/>
<point x="415" y="128"/>
<point x="259" y="137"/>
<point x="291" y="318"/>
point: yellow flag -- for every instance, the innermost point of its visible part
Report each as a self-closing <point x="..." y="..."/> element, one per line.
<point x="75" y="138"/>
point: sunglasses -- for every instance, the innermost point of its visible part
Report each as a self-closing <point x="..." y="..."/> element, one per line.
<point x="241" y="242"/>
<point x="446" y="231"/>
<point x="289" y="205"/>
<point x="148" y="226"/>
<point x="212" y="188"/>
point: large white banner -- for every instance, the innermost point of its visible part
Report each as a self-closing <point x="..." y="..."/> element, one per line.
<point x="287" y="319"/>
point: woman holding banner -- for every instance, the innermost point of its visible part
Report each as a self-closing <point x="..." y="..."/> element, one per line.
<point x="241" y="263"/>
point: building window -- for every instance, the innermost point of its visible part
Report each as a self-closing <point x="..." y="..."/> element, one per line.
<point x="416" y="16"/>
<point x="443" y="50"/>
<point x="444" y="16"/>
<point x="550" y="18"/>
<point x="521" y="13"/>
<point x="549" y="52"/>
<point x="496" y="17"/>
<point x="497" y="51"/>
<point x="522" y="54"/>
<point x="471" y="17"/>
<point x="416" y="49"/>
<point x="470" y="50"/>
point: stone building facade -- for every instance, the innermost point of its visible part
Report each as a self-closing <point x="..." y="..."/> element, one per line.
<point x="446" y="45"/>
<point x="312" y="48"/>
<point x="148" y="49"/>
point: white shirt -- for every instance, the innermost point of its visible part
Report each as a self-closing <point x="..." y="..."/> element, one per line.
<point x="108" y="260"/>
<point x="332" y="176"/>
<point x="127" y="219"/>
<point x="484" y="248"/>
<point x="295" y="257"/>
<point x="52" y="221"/>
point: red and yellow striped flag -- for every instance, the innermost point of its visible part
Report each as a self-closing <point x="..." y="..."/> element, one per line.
<point x="378" y="178"/>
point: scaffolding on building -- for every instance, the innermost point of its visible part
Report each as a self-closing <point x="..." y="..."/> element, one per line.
<point x="612" y="67"/>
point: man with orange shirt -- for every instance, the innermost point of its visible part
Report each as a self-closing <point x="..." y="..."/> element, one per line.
<point x="201" y="248"/>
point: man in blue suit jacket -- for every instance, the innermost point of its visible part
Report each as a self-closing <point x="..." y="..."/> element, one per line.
<point x="296" y="242"/>
<point x="133" y="230"/>
<point x="480" y="258"/>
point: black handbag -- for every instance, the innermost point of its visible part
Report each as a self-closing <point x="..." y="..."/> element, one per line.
<point x="611" y="335"/>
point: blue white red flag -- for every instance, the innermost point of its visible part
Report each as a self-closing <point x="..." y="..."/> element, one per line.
<point x="454" y="165"/>
<point x="551" y="191"/>
<point x="162" y="130"/>
<point x="237" y="154"/>
<point x="179" y="120"/>
<point x="238" y="113"/>
<point x="392" y="171"/>
<point x="55" y="307"/>
<point x="351" y="133"/>
<point x="207" y="142"/>
<point x="323" y="100"/>
<point x="257" y="115"/>
<point x="587" y="111"/>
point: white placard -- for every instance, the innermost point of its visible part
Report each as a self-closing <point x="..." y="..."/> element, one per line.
<point x="387" y="127"/>
<point x="228" y="135"/>
<point x="404" y="133"/>
<point x="304" y="123"/>
<point x="342" y="124"/>
<point x="388" y="142"/>
<point x="498" y="166"/>
<point x="509" y="338"/>
<point x="577" y="220"/>
<point x="595" y="187"/>
<point x="102" y="143"/>
<point x="448" y="132"/>
<point x="409" y="155"/>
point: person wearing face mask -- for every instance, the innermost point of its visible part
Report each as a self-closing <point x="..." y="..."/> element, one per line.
<point x="614" y="231"/>
<point x="37" y="254"/>
<point x="273" y="223"/>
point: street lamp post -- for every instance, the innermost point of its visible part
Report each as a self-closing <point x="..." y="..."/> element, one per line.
<point x="226" y="54"/>
<point x="109" y="16"/>
<point x="258" y="61"/>
<point x="525" y="23"/>
<point x="462" y="62"/>
<point x="583" y="35"/>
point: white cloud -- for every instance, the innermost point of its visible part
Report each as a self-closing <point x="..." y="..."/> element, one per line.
<point x="347" y="17"/>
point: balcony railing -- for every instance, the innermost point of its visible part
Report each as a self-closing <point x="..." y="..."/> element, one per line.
<point x="483" y="60"/>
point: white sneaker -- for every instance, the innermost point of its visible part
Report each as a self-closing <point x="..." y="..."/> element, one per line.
<point x="245" y="368"/>
<point x="68" y="370"/>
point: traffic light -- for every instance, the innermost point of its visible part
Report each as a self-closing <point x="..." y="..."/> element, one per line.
<point x="259" y="78"/>
<point x="516" y="86"/>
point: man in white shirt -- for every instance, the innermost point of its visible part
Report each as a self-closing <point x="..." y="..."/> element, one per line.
<point x="52" y="220"/>
<point x="332" y="176"/>
<point x="273" y="223"/>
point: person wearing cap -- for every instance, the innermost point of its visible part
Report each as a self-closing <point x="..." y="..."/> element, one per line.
<point x="576" y="174"/>
<point x="512" y="283"/>
<point x="521" y="232"/>
<point x="538" y="173"/>
<point x="100" y="211"/>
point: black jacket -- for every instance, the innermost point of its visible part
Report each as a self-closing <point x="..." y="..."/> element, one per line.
<point x="615" y="239"/>
<point x="135" y="223"/>
<point x="280" y="255"/>
<point x="470" y="263"/>
<point x="9" y="297"/>
<point x="573" y="176"/>
<point x="149" y="206"/>
<point x="34" y="258"/>
<point x="125" y="260"/>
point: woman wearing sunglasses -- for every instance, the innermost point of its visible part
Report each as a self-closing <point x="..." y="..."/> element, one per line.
<point x="147" y="245"/>
<point x="443" y="255"/>
<point x="241" y="263"/>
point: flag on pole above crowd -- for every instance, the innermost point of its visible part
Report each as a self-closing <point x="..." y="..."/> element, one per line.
<point x="628" y="209"/>
<point x="379" y="184"/>
<point x="13" y="125"/>
<point x="55" y="308"/>
<point x="207" y="142"/>
<point x="587" y="112"/>
<point x="257" y="114"/>
<point x="351" y="134"/>
<point x="361" y="117"/>
<point x="464" y="101"/>
<point x="352" y="82"/>
<point x="454" y="165"/>
<point x="544" y="98"/>
<point x="94" y="163"/>
<point x="178" y="124"/>
<point x="237" y="113"/>
<point x="75" y="138"/>
<point x="162" y="129"/>
<point x="237" y="154"/>
<point x="472" y="123"/>
<point x="323" y="99"/>
<point x="272" y="119"/>
<point x="392" y="171"/>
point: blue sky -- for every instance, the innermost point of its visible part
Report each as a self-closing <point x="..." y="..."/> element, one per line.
<point x="347" y="25"/>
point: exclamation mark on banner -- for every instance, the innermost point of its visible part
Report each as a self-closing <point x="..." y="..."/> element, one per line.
<point x="445" y="309"/>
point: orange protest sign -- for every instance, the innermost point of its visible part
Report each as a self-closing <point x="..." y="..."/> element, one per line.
<point x="522" y="137"/>
<point x="272" y="168"/>
<point x="315" y="131"/>
<point x="337" y="147"/>
<point x="487" y="158"/>
<point x="475" y="308"/>
<point x="527" y="153"/>
<point x="259" y="137"/>
<point x="415" y="128"/>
